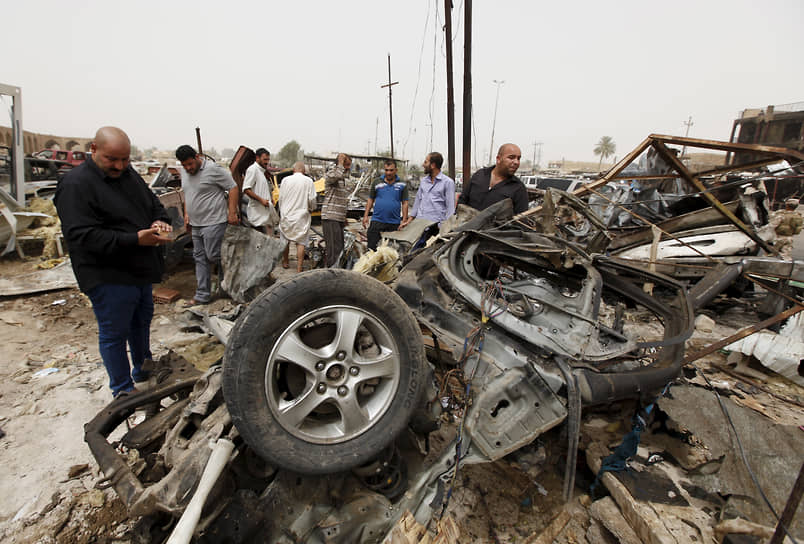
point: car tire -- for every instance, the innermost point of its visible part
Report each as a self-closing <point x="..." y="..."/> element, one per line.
<point x="323" y="371"/>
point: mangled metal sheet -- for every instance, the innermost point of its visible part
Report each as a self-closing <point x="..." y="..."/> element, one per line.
<point x="715" y="241"/>
<point x="58" y="277"/>
<point x="248" y="257"/>
<point x="783" y="352"/>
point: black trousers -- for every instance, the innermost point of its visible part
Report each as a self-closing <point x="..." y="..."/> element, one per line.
<point x="374" y="231"/>
<point x="333" y="240"/>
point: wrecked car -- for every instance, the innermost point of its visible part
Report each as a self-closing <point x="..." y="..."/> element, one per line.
<point x="339" y="383"/>
<point x="682" y="219"/>
<point x="315" y="426"/>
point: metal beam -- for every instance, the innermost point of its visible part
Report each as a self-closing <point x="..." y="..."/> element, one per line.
<point x="736" y="168"/>
<point x="671" y="159"/>
<point x="18" y="144"/>
<point x="717" y="145"/>
<point x="742" y="333"/>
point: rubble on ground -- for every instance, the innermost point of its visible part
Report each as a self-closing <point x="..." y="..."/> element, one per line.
<point x="727" y="427"/>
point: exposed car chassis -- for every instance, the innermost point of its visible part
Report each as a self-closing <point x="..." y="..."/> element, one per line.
<point x="528" y="321"/>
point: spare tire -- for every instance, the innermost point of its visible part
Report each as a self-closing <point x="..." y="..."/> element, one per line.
<point x="323" y="371"/>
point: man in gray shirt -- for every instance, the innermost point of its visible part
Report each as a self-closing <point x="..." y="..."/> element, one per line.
<point x="207" y="210"/>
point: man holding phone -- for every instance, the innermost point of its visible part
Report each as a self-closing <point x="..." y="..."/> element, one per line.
<point x="113" y="224"/>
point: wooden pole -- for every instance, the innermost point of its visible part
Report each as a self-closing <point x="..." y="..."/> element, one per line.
<point x="467" y="92"/>
<point x="450" y="92"/>
<point x="390" y="103"/>
<point x="198" y="139"/>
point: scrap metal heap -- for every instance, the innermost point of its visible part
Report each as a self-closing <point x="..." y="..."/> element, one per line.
<point x="508" y="325"/>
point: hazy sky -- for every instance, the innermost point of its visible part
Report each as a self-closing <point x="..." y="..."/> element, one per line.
<point x="263" y="73"/>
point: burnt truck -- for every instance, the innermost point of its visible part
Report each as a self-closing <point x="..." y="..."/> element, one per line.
<point x="314" y="427"/>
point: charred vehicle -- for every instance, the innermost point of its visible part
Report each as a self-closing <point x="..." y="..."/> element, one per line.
<point x="314" y="427"/>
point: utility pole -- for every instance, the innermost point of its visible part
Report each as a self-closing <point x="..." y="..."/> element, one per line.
<point x="689" y="123"/>
<point x="494" y="123"/>
<point x="450" y="93"/>
<point x="467" y="91"/>
<point x="537" y="162"/>
<point x="390" y="103"/>
<point x="198" y="139"/>
<point x="376" y="135"/>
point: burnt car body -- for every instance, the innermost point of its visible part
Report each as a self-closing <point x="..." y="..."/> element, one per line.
<point x="511" y="325"/>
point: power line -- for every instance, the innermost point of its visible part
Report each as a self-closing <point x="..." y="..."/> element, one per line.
<point x="432" y="90"/>
<point x="418" y="78"/>
<point x="494" y="122"/>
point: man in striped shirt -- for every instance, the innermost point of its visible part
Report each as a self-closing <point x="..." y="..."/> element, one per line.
<point x="333" y="210"/>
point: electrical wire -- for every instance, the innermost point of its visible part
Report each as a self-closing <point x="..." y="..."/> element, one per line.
<point x="418" y="80"/>
<point x="433" y="87"/>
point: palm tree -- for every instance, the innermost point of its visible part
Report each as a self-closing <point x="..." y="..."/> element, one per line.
<point x="605" y="148"/>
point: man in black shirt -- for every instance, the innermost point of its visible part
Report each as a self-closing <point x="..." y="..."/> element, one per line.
<point x="494" y="183"/>
<point x="112" y="223"/>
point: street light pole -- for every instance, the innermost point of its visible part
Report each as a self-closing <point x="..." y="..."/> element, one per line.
<point x="494" y="123"/>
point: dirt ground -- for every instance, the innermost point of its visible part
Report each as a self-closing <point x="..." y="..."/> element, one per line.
<point x="52" y="382"/>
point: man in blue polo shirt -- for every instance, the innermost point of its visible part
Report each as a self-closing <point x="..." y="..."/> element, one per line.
<point x="387" y="195"/>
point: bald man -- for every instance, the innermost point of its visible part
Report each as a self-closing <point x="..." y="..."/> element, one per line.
<point x="113" y="224"/>
<point x="297" y="199"/>
<point x="495" y="183"/>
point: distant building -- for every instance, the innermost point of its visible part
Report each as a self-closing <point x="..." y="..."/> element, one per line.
<point x="781" y="125"/>
<point x="33" y="142"/>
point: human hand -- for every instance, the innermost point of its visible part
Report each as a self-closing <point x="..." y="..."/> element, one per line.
<point x="365" y="222"/>
<point x="405" y="222"/>
<point x="233" y="219"/>
<point x="150" y="237"/>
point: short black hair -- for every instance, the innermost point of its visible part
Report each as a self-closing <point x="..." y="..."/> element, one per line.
<point x="437" y="159"/>
<point x="392" y="162"/>
<point x="185" y="152"/>
<point x="262" y="151"/>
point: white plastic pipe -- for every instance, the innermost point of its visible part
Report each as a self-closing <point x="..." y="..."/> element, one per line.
<point x="184" y="529"/>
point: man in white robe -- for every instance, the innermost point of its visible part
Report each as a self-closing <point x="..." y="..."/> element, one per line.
<point x="256" y="187"/>
<point x="296" y="200"/>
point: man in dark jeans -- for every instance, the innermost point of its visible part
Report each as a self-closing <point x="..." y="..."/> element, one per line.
<point x="113" y="223"/>
<point x="387" y="196"/>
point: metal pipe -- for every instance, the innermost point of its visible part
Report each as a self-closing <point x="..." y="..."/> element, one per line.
<point x="184" y="529"/>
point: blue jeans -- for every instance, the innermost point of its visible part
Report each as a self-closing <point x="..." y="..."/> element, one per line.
<point x="124" y="314"/>
<point x="206" y="252"/>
